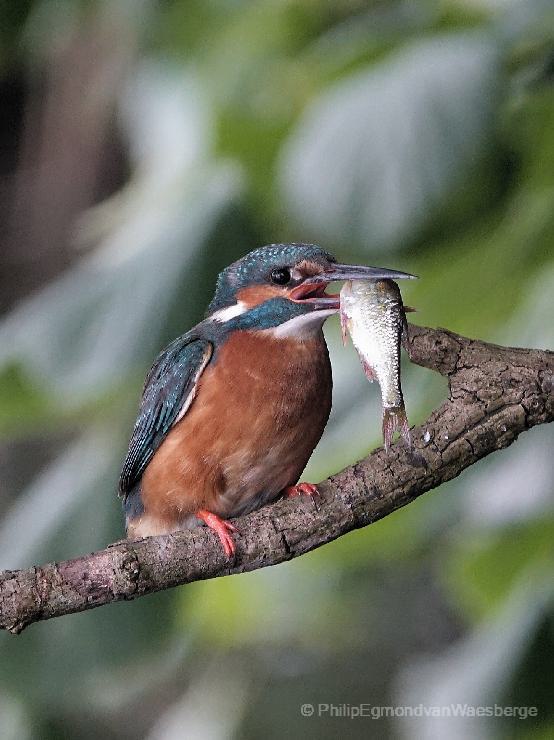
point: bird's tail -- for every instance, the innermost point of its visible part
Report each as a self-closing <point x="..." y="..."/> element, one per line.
<point x="395" y="420"/>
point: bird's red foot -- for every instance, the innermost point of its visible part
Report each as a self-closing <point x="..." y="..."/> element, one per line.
<point x="221" y="527"/>
<point x="301" y="489"/>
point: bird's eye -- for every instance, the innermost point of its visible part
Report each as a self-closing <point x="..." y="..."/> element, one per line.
<point x="280" y="276"/>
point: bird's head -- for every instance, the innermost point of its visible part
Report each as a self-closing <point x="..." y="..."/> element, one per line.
<point x="282" y="287"/>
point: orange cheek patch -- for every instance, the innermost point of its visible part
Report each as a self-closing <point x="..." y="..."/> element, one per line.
<point x="256" y="294"/>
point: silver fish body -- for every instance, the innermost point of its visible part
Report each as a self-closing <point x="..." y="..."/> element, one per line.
<point x="373" y="314"/>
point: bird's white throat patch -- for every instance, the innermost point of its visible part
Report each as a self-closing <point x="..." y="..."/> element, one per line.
<point x="301" y="327"/>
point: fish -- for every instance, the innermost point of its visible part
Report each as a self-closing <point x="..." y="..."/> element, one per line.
<point x="373" y="314"/>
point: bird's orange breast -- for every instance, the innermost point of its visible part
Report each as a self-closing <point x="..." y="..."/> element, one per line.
<point x="259" y="411"/>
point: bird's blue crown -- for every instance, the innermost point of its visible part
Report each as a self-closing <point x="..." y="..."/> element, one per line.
<point x="255" y="268"/>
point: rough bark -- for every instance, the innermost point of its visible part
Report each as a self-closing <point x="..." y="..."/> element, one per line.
<point x="495" y="393"/>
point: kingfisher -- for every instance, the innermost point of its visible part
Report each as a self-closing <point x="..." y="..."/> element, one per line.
<point x="232" y="410"/>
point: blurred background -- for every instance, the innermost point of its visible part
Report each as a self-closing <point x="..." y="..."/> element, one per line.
<point x="144" y="146"/>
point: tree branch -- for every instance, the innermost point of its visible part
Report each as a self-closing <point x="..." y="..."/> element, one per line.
<point x="495" y="393"/>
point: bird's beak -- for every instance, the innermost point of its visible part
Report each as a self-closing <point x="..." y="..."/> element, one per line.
<point x="359" y="272"/>
<point x="312" y="289"/>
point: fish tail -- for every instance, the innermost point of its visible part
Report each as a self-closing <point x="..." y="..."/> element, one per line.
<point x="395" y="420"/>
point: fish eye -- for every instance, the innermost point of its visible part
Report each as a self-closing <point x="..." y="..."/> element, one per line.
<point x="280" y="276"/>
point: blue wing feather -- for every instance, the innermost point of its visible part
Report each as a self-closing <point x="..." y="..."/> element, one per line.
<point x="170" y="382"/>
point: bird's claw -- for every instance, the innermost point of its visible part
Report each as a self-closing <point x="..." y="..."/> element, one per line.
<point x="222" y="528"/>
<point x="301" y="489"/>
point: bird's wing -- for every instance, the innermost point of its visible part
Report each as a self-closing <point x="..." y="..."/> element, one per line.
<point x="168" y="392"/>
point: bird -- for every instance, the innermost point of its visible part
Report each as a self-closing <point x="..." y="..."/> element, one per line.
<point x="232" y="410"/>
